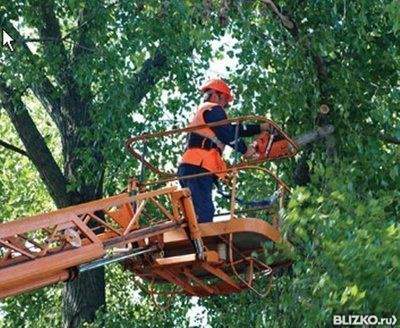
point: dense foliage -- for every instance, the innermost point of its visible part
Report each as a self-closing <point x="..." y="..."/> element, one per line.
<point x="343" y="223"/>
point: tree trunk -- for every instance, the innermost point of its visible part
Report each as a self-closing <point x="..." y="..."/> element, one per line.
<point x="70" y="104"/>
<point x="83" y="297"/>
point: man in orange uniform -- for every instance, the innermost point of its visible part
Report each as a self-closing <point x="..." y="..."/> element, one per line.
<point x="205" y="146"/>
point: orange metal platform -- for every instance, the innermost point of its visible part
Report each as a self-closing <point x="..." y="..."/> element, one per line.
<point x="161" y="245"/>
<point x="180" y="265"/>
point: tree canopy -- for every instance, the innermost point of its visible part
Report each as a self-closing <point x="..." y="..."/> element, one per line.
<point x="87" y="75"/>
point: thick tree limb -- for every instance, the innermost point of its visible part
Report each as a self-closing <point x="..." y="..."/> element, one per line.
<point x="147" y="77"/>
<point x="301" y="174"/>
<point x="73" y="106"/>
<point x="13" y="148"/>
<point x="286" y="21"/>
<point x="48" y="97"/>
<point x="36" y="147"/>
<point x="83" y="43"/>
<point x="312" y="136"/>
<point x="76" y="99"/>
<point x="50" y="27"/>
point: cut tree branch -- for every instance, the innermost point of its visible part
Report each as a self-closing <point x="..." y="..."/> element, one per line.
<point x="315" y="135"/>
<point x="13" y="148"/>
<point x="36" y="147"/>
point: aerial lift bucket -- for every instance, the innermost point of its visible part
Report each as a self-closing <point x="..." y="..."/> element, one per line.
<point x="163" y="246"/>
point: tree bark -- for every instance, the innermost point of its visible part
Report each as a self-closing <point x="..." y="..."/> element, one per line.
<point x="36" y="148"/>
<point x="69" y="104"/>
<point x="83" y="297"/>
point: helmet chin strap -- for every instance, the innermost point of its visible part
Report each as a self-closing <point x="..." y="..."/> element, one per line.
<point x="207" y="95"/>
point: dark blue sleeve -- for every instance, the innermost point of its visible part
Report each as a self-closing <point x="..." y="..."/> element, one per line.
<point x="249" y="130"/>
<point x="225" y="133"/>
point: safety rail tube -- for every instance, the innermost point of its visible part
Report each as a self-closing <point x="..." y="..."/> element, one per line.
<point x="282" y="185"/>
<point x="129" y="143"/>
<point x="203" y="174"/>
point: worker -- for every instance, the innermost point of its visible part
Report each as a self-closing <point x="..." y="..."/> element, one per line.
<point x="205" y="146"/>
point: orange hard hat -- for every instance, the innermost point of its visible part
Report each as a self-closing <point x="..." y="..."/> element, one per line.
<point x="217" y="85"/>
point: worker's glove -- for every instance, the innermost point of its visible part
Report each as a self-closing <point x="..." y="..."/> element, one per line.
<point x="275" y="195"/>
<point x="266" y="127"/>
<point x="250" y="153"/>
